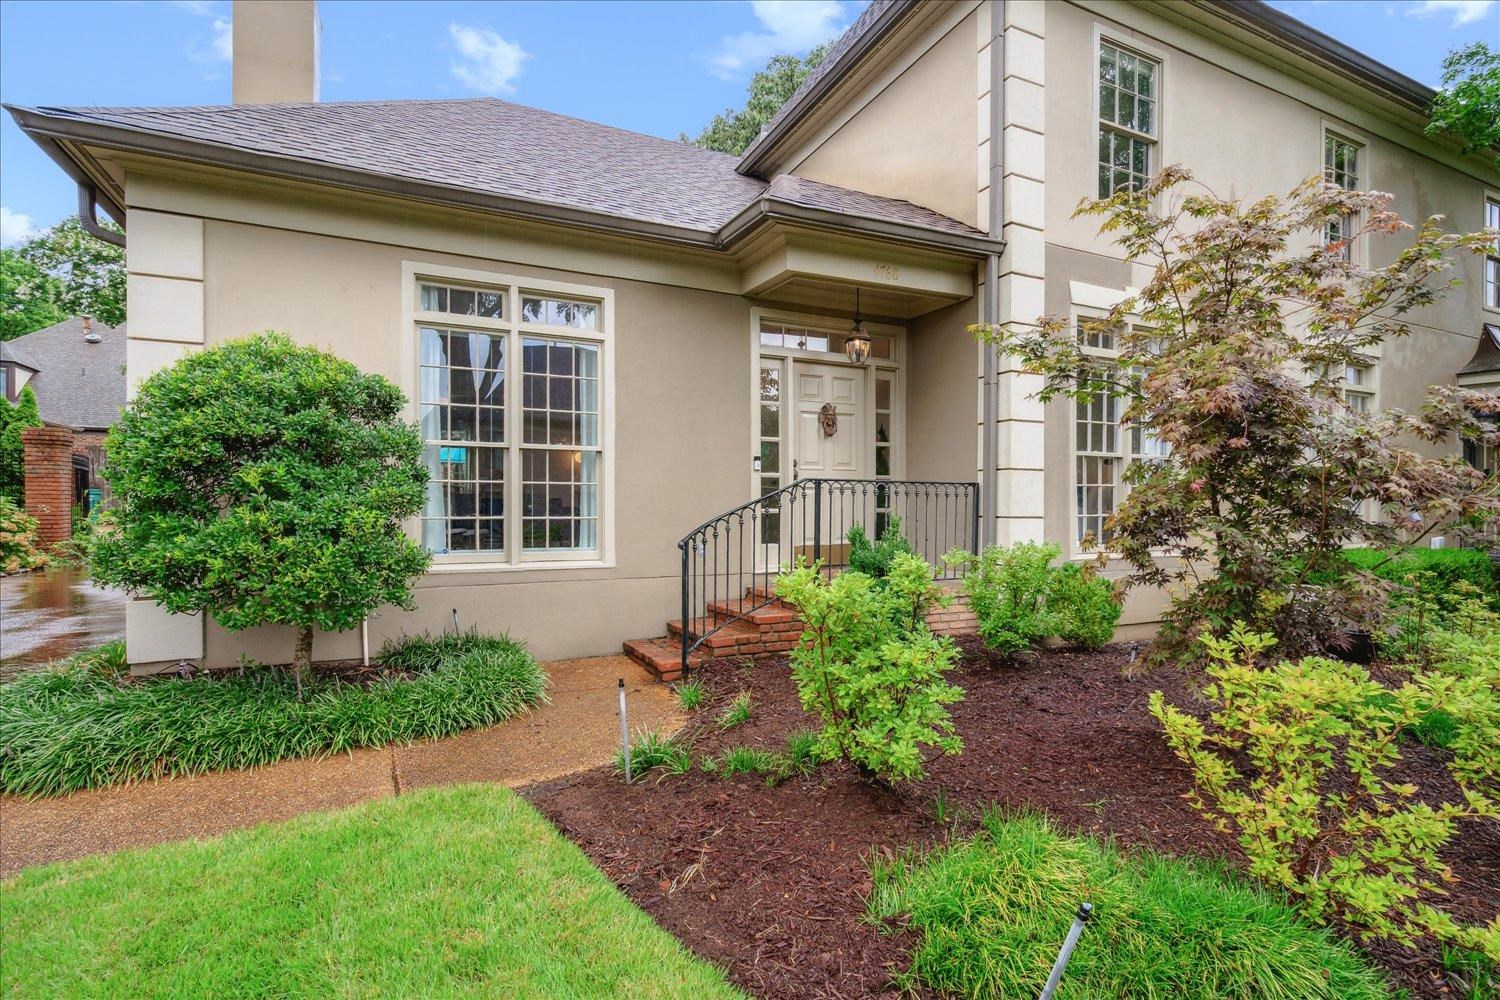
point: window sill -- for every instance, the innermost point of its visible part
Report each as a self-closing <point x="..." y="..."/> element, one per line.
<point x="456" y="566"/>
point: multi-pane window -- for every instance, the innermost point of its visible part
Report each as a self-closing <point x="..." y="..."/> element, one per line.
<point x="1128" y="103"/>
<point x="806" y="338"/>
<point x="1359" y="388"/>
<point x="492" y="452"/>
<point x="1492" y="259"/>
<point x="770" y="447"/>
<point x="884" y="414"/>
<point x="1341" y="169"/>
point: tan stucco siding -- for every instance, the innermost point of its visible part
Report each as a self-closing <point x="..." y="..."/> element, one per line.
<point x="942" y="395"/>
<point x="682" y="439"/>
<point x="913" y="136"/>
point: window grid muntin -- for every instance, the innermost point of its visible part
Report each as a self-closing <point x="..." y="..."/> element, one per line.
<point x="1492" y="259"/>
<point x="508" y="472"/>
<point x="1128" y="92"/>
<point x="1341" y="168"/>
<point x="465" y="507"/>
<point x="769" y="418"/>
<point x="568" y="385"/>
<point x="819" y="340"/>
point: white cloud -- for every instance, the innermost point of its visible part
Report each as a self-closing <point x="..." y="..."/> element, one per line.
<point x="487" y="63"/>
<point x="1463" y="11"/>
<point x="790" y="26"/>
<point x="15" y="227"/>
<point x="217" y="45"/>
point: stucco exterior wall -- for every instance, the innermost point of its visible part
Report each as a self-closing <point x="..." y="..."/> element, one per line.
<point x="911" y="136"/>
<point x="942" y="395"/>
<point x="681" y="384"/>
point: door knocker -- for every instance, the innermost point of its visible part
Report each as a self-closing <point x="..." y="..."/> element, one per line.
<point x="828" y="417"/>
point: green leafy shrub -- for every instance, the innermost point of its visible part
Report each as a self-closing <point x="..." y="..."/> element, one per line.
<point x="874" y="558"/>
<point x="1007" y="589"/>
<point x="18" y="551"/>
<point x="1296" y="759"/>
<point x="267" y="484"/>
<point x="79" y="726"/>
<point x="867" y="666"/>
<point x="991" y="912"/>
<point x="1082" y="606"/>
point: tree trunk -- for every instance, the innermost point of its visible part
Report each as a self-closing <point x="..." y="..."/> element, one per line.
<point x="302" y="658"/>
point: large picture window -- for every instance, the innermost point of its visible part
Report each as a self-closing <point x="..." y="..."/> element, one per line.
<point x="510" y="397"/>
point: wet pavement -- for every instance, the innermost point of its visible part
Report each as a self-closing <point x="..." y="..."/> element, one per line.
<point x="54" y="613"/>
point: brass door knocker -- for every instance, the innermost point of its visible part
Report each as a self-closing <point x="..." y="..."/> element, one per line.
<point x="828" y="417"/>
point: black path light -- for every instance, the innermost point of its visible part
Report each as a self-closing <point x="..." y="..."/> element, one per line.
<point x="857" y="343"/>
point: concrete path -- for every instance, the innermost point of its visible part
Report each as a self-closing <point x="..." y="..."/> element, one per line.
<point x="578" y="729"/>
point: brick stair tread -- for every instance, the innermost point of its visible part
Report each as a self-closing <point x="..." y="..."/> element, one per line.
<point x="662" y="656"/>
<point x="755" y="610"/>
<point x="730" y="635"/>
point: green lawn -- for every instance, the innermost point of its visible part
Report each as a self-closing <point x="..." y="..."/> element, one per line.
<point x="456" y="892"/>
<point x="992" y="913"/>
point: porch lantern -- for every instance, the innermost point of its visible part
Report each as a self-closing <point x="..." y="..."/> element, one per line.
<point x="857" y="343"/>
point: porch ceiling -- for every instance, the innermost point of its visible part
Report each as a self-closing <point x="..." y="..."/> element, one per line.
<point x="812" y="270"/>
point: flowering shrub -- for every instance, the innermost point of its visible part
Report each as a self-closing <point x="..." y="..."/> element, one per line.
<point x="18" y="551"/>
<point x="869" y="668"/>
<point x="1296" y="759"/>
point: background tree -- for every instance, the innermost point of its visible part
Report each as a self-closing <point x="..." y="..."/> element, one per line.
<point x="88" y="274"/>
<point x="1234" y="355"/>
<point x="733" y="131"/>
<point x="1469" y="103"/>
<point x="265" y="483"/>
<point x="28" y="296"/>
<point x="14" y="418"/>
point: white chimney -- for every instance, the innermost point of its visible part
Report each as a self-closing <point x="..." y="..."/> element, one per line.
<point x="275" y="51"/>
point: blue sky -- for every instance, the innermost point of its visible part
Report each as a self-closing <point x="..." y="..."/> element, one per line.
<point x="656" y="67"/>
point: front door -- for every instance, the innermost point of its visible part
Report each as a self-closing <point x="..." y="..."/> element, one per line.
<point x="829" y="436"/>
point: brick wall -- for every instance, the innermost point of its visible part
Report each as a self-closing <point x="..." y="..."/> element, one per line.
<point x="49" y="482"/>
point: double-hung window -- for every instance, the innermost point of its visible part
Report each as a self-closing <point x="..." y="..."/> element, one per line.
<point x="510" y="395"/>
<point x="1341" y="162"/>
<point x="1359" y="388"/>
<point x="1103" y="445"/>
<point x="1492" y="258"/>
<point x="1128" y="118"/>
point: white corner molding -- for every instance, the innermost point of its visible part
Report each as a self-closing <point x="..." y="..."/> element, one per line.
<point x="1081" y="293"/>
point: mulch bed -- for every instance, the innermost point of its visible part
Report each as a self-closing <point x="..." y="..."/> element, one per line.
<point x="770" y="883"/>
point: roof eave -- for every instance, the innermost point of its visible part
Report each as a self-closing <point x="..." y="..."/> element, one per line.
<point x="769" y="210"/>
<point x="755" y="154"/>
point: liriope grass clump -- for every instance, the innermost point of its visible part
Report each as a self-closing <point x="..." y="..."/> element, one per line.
<point x="79" y="725"/>
<point x="992" y="912"/>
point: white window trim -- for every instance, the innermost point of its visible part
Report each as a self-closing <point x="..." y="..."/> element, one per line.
<point x="1490" y="195"/>
<point x="1119" y="38"/>
<point x="1338" y="130"/>
<point x="762" y="355"/>
<point x="516" y="559"/>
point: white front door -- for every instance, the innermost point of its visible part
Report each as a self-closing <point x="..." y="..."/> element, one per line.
<point x="817" y="453"/>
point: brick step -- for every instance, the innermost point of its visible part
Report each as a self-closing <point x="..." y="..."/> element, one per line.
<point x="662" y="656"/>
<point x="753" y="610"/>
<point x="727" y="637"/>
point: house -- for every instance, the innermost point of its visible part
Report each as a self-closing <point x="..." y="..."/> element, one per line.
<point x="76" y="368"/>
<point x="610" y="339"/>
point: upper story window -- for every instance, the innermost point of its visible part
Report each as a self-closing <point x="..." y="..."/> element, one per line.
<point x="1128" y="101"/>
<point x="1492" y="259"/>
<point x="511" y="412"/>
<point x="1359" y="387"/>
<point x="1341" y="166"/>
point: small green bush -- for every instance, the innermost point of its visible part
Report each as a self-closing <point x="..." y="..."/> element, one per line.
<point x="1082" y="606"/>
<point x="738" y="712"/>
<point x="78" y="726"/>
<point x="867" y="666"/>
<point x="1296" y="759"/>
<point x="18" y="551"/>
<point x="650" y="750"/>
<point x="1007" y="589"/>
<point x="690" y="695"/>
<point x="991" y="913"/>
<point x="874" y="558"/>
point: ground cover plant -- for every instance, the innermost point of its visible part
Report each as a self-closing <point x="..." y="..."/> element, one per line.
<point x="1232" y="364"/>
<point x="991" y="911"/>
<point x="267" y="484"/>
<point x="81" y="725"/>
<point x="1297" y="760"/>
<point x="455" y="892"/>
<point x="867" y="666"/>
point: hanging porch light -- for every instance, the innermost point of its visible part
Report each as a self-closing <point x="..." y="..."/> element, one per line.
<point x="857" y="342"/>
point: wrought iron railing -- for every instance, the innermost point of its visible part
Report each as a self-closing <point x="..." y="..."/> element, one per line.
<point x="730" y="562"/>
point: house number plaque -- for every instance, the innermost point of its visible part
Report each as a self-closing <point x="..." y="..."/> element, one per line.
<point x="887" y="272"/>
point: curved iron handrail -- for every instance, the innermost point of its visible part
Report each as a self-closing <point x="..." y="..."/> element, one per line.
<point x="726" y="575"/>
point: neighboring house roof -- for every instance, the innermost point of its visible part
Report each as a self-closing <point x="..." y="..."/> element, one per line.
<point x="1486" y="357"/>
<point x="486" y="153"/>
<point x="77" y="384"/>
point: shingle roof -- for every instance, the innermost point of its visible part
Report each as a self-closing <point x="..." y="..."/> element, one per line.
<point x="77" y="384"/>
<point x="507" y="151"/>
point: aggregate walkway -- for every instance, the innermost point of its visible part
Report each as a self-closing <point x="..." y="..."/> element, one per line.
<point x="577" y="729"/>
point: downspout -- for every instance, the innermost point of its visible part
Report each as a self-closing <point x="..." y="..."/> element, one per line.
<point x="989" y="388"/>
<point x="88" y="214"/>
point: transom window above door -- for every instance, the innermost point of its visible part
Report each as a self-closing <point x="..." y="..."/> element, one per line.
<point x="511" y="394"/>
<point x="819" y="340"/>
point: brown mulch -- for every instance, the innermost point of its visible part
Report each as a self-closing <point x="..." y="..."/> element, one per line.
<point x="771" y="883"/>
